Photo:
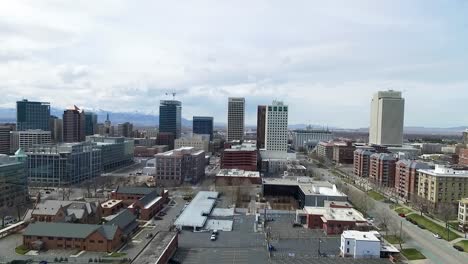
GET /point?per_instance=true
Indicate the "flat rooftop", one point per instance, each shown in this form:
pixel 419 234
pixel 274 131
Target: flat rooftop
pixel 156 248
pixel 238 173
pixel 307 185
pixel 110 203
pixel 442 171
pixel 361 236
pixel 335 214
pixel 196 213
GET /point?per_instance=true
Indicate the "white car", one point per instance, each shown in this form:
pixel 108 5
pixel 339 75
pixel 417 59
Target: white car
pixel 437 236
pixel 213 237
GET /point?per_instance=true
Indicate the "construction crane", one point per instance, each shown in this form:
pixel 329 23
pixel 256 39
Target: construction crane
pixel 173 95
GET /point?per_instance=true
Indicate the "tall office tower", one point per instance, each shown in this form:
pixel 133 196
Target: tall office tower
pixel 73 125
pixel 90 123
pixel 125 129
pixel 203 125
pixel 56 129
pixel 276 129
pixel 387 118
pixel 5 138
pixel 236 113
pixel 32 115
pixel 170 119
pixel 261 118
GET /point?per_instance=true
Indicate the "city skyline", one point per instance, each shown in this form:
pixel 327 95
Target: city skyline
pixel 325 62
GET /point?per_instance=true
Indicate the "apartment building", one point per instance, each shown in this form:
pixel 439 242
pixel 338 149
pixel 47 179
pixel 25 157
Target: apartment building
pixel 362 162
pixel 243 157
pixel 179 165
pixel 382 169
pixel 406 177
pixel 343 152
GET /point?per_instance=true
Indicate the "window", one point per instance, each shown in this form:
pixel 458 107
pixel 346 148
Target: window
pixel 100 241
pixel 50 238
pixel 347 243
pixel 91 241
pixel 347 250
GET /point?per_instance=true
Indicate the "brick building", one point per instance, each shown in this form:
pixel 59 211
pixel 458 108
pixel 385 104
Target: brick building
pixel 362 162
pixel 143 202
pixel 235 177
pixel 67 211
pixel 382 169
pixel 112 207
pixel 242 157
pixel 406 177
pixel 180 165
pixel 343 152
pixel 463 157
pixel 325 150
pixel 166 138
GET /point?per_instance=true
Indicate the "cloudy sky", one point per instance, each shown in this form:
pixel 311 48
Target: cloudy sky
pixel 323 58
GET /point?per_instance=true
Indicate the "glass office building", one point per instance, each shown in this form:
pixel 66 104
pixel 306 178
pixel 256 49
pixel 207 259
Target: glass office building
pixel 170 119
pixel 203 125
pixel 13 181
pixel 90 123
pixel 32 115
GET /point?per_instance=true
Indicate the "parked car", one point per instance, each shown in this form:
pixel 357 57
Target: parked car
pixel 457 247
pixel 437 236
pixel 401 215
pixel 214 232
pixel 149 235
pixel 213 237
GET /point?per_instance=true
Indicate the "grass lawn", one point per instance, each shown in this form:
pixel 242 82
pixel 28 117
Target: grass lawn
pixel 393 239
pixel 21 250
pixel 412 254
pixel 463 244
pixel 433 227
pixel 117 254
pixel 375 195
pixel 403 210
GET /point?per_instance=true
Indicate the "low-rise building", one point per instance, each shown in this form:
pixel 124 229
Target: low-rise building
pixel 195 215
pixel 198 142
pixel 180 165
pixel 67 211
pixel 358 244
pixel 343 152
pixel 242 157
pixel 382 169
pixel 235 177
pixel 144 202
pixel 463 157
pixel 463 214
pixel 111 207
pixel 442 185
pixel 125 220
pixel 406 178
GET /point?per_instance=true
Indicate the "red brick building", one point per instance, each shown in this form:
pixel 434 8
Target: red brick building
pixel 463 157
pixel 325 150
pixel 144 202
pixel 67 211
pixel 361 162
pixel 242 157
pixel 334 220
pixel 406 177
pixel 112 207
pixel 382 169
pixel 343 152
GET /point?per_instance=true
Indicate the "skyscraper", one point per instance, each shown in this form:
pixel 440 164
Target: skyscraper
pixel 203 125
pixel 56 129
pixel 387 118
pixel 90 123
pixel 236 113
pixel 125 129
pixel 276 128
pixel 170 119
pixel 73 125
pixel 261 118
pixel 5 138
pixel 32 115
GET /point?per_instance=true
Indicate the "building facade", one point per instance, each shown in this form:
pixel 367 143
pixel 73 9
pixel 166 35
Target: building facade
pixel 442 185
pixel 261 123
pixel 13 180
pixel 5 138
pixel 242 157
pixel 361 162
pixel 170 117
pixel 125 130
pixel 463 214
pixel 32 115
pixel 90 123
pixel 382 169
pixel 276 128
pixel 167 139
pixel 116 151
pixel 357 244
pixel 325 150
pixel 236 118
pixel 309 138
pixel 73 125
pixel 179 165
pixel 203 125
pixel 463 157
pixel 198 142
pixel 387 118
pixel 343 152
pixel 29 138
pixel 56 129
pixel 63 164
pixel 406 178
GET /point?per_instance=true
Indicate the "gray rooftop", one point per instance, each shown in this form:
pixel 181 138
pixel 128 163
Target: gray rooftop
pixel 69 230
pixel 134 190
pixel 195 214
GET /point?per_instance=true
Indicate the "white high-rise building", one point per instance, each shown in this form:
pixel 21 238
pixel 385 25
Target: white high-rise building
pixel 387 118
pixel 276 129
pixel 236 113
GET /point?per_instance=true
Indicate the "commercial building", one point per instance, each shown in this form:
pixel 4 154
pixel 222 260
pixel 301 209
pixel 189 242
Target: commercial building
pixel 111 207
pixel 90 123
pixel 236 123
pixel 143 151
pixel 442 185
pixel 343 152
pixel 366 245
pixel 406 178
pixel 236 177
pixel 195 215
pixel 67 211
pixel 198 142
pixel 32 115
pixel 116 151
pixel 382 169
pixel 387 118
pixel 463 214
pixel 203 125
pixel 48 236
pixel 63 164
pixel 13 180
pixel 5 138
pixel 309 138
pixel 170 117
pixel 73 125
pixel 243 157
pixel 167 139
pixel 303 189
pixel 29 138
pixel 463 157
pixel 261 122
pixel 276 128
pixel 180 165
pixel 125 130
pixel 333 220
pixel 325 149
pixel 56 129
pixel 144 202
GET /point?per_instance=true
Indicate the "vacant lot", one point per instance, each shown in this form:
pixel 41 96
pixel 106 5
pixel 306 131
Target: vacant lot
pixel 433 227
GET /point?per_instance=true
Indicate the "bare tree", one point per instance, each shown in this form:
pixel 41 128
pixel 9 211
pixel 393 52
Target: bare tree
pixel 420 204
pixel 446 212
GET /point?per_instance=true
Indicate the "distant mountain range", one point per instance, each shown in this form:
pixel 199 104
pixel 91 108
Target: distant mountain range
pixel 8 115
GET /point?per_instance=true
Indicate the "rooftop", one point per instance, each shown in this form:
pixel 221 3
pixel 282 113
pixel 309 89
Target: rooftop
pixel 335 214
pixel 238 173
pixel 134 190
pixel 307 185
pixel 69 230
pixel 242 147
pixel 359 235
pixel 110 203
pixel 442 171
pixel 195 214
pixel 180 151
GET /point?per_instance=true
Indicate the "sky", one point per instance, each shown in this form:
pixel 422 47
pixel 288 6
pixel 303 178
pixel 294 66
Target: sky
pixel 325 59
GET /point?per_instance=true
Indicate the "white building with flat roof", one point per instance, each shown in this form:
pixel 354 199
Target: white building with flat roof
pixel 357 244
pixel 28 138
pixel 387 118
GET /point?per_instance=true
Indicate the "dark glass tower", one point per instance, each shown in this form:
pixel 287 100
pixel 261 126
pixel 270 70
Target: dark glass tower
pixel 203 125
pixel 32 115
pixel 170 119
pixel 90 123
